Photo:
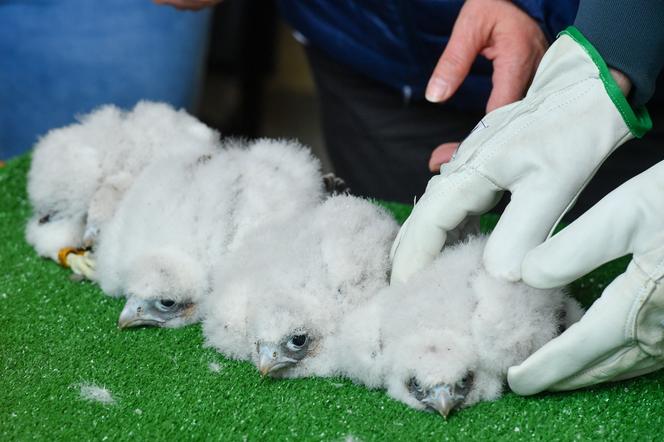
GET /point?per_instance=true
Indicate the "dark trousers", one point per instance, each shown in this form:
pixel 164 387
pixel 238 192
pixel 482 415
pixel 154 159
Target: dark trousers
pixel 380 144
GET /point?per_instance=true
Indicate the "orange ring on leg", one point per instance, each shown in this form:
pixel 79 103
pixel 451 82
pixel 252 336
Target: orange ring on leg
pixel 64 253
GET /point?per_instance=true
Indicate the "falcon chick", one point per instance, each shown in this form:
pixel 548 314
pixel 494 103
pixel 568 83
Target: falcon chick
pixel 280 299
pixel 446 338
pixel 182 215
pixel 80 172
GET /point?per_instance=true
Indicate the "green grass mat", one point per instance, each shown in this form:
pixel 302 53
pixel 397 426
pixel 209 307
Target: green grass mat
pixel 56 334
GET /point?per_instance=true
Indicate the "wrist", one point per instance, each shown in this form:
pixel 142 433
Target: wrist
pixel 622 81
pixel 636 118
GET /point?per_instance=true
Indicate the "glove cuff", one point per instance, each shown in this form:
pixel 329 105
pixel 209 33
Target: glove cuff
pixel 637 119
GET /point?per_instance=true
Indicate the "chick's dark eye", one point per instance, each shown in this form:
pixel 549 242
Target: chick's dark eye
pixel 44 219
pixel 299 340
pixel 167 302
pixel 467 380
pixel 413 384
pixel 415 389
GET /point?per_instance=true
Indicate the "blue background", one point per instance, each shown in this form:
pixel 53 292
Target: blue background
pixel 60 58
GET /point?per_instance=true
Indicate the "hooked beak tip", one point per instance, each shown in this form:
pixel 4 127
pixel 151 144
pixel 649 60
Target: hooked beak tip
pixel 442 402
pixel 138 312
pixel 443 408
pixel 444 413
pixel 126 320
pixel 266 366
pixel 269 360
pixel 138 322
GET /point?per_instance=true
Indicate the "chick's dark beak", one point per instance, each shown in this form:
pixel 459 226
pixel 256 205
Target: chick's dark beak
pixel 271 359
pixel 442 399
pixel 140 312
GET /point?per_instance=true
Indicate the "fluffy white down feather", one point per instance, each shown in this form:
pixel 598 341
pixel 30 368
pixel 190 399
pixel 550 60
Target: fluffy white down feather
pixel 302 275
pixel 80 172
pixel 182 215
pixel 95 393
pixel 324 274
pixel 450 319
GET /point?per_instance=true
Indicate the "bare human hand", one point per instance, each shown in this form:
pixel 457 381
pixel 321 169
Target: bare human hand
pixel 442 154
pixel 189 5
pixel 503 33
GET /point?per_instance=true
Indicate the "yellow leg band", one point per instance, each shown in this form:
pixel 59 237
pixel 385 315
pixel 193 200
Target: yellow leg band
pixel 64 252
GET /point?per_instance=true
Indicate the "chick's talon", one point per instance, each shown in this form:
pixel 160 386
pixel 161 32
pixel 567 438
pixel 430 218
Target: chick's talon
pixel 82 265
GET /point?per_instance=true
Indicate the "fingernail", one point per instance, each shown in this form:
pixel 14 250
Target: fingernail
pixel 436 90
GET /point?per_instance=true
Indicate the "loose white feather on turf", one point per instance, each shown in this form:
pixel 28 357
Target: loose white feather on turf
pixel 95 393
pixel 281 297
pixel 80 172
pixel 183 215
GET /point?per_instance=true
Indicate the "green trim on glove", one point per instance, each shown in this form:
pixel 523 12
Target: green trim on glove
pixel 637 120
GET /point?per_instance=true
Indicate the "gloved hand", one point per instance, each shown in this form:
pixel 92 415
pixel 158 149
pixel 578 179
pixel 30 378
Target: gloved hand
pixel 622 334
pixel 543 149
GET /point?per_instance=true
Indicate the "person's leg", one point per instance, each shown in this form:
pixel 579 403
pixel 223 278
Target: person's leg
pixel 378 143
pixel 381 146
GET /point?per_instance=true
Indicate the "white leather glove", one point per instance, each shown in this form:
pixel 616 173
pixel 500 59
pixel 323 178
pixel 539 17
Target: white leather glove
pixel 543 149
pixel 622 334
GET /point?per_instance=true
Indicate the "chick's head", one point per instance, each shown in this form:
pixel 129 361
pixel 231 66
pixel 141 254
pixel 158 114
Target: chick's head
pixel 164 289
pixel 434 371
pixel 288 335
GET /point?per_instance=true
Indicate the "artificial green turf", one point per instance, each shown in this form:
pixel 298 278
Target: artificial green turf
pixel 56 334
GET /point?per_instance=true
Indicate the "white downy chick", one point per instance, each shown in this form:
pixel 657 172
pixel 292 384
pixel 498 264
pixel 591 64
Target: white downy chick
pixel 150 132
pixel 80 172
pixel 64 174
pixel 280 299
pixel 446 338
pixel 182 215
